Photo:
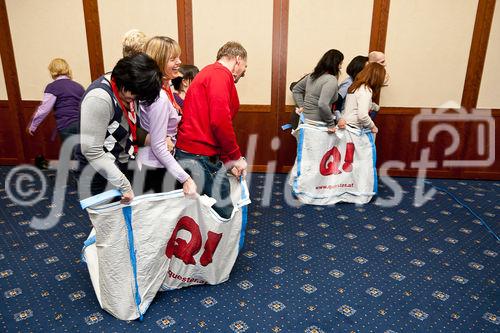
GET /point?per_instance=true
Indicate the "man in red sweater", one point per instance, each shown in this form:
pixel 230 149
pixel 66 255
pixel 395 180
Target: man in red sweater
pixel 206 142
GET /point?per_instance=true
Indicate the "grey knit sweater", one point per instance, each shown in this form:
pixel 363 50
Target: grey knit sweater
pixel 317 97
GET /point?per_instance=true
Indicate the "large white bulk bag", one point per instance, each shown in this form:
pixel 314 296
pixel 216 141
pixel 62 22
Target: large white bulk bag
pixel 162 241
pixel 333 167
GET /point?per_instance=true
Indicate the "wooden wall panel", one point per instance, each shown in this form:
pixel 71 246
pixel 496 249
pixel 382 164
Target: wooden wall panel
pixel 477 53
pixel 288 144
pixel 380 19
pixel 185 28
pixel 490 80
pixel 8 153
pixel 46 140
pixel 94 42
pixel 279 87
pixel 12 115
pixel 3 88
pixel 263 125
pixel 394 142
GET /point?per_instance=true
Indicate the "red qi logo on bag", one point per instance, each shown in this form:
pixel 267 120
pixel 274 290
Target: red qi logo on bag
pixel 329 166
pixel 186 251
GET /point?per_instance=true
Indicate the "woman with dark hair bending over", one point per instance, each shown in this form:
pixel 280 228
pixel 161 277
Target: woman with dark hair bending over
pixel 109 121
pixel 358 102
pixel 315 93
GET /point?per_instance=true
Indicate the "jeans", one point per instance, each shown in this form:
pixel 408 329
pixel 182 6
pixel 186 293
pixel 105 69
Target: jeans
pixel 71 129
pixel 64 133
pixel 210 176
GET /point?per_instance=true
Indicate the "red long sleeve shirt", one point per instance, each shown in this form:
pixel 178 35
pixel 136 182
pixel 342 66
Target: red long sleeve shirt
pixel 210 105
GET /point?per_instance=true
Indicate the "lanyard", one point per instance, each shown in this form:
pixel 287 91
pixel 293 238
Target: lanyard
pixel 130 115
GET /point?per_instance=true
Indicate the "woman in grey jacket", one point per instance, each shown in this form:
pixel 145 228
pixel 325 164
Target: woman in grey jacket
pixel 315 93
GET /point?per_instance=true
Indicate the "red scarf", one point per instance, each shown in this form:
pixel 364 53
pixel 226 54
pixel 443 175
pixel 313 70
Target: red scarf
pixel 171 98
pixel 130 115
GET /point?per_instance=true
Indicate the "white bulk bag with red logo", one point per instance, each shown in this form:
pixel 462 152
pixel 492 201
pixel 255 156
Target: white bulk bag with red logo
pixel 331 168
pixel 162 241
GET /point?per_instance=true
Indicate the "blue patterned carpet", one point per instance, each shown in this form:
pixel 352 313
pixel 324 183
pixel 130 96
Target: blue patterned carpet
pixel 308 269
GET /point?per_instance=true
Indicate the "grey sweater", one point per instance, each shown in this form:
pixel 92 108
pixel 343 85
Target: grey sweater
pixel 96 113
pixel 317 97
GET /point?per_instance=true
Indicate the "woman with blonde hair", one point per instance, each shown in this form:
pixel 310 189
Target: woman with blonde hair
pixel 133 42
pixel 160 119
pixel 166 52
pixel 63 95
pixel 365 87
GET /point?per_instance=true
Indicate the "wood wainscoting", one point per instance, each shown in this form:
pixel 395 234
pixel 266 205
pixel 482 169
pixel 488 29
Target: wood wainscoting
pixel 394 143
pixel 8 152
pixel 257 125
pixel 45 141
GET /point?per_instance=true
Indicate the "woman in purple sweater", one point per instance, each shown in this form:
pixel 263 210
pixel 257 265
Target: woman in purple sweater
pixel 63 95
pixel 160 119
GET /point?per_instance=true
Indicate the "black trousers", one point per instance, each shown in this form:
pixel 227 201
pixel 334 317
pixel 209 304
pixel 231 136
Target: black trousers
pixel 99 183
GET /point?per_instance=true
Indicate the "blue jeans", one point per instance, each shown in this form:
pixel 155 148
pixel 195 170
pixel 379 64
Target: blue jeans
pixel 71 129
pixel 209 175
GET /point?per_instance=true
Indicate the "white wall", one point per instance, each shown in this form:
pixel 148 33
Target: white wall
pixel 329 24
pixel 489 93
pixel 249 22
pixel 427 51
pixel 41 31
pixel 427 45
pixel 153 17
